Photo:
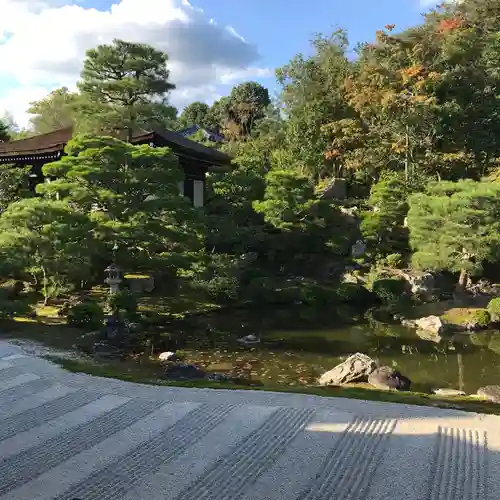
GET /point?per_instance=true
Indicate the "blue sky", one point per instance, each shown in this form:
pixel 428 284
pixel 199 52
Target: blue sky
pixel 283 28
pixel 275 30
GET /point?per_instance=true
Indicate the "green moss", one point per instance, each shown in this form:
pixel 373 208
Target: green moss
pixel 481 317
pixel 459 315
pixel 136 276
pixel 494 307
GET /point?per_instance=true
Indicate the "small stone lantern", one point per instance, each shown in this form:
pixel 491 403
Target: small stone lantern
pixel 113 278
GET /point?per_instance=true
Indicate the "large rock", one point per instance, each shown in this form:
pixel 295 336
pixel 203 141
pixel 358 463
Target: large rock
pixel 429 335
pixel 387 378
pixel 431 324
pixel 355 368
pixel 490 392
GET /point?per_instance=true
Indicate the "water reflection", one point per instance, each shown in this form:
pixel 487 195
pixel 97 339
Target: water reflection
pixel 291 352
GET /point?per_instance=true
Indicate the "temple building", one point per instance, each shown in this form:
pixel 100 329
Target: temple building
pixel 194 158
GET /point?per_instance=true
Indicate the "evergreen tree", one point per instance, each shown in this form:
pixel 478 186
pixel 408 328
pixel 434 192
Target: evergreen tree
pixel 132 196
pixel 455 227
pixel 124 86
pixel 47 240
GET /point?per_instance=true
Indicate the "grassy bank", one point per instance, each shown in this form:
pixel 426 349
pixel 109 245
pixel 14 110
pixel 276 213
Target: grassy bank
pixel 148 374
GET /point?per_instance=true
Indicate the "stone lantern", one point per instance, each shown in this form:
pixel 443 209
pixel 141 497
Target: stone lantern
pixel 113 278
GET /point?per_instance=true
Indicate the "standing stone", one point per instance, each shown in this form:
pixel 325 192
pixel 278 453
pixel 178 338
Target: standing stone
pixel 358 249
pixel 356 367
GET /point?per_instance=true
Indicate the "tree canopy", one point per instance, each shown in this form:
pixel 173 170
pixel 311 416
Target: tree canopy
pixel 124 86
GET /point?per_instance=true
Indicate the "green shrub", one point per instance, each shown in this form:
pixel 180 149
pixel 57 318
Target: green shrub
pixel 88 314
pixel 11 289
pixel 394 260
pixel 318 295
pixel 389 290
pixel 481 318
pixel 11 308
pixel 494 308
pixel 219 288
pixel 123 300
pixel 218 276
pixel 356 294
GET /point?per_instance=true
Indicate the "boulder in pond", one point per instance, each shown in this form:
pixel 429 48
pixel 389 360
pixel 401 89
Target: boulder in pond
pixel 354 368
pixel 446 393
pixel 182 371
pixel 387 378
pixel 429 335
pixel 249 340
pixel 490 392
pixel 431 324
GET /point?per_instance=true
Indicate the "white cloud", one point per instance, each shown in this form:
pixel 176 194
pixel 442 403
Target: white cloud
pixel 43 43
pixel 435 3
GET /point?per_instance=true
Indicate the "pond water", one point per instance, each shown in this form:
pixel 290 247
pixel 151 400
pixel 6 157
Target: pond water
pixel 295 355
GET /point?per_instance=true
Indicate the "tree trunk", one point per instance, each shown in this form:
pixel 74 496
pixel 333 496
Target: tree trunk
pixel 461 373
pixel 45 287
pixel 407 153
pixel 463 279
pixel 461 287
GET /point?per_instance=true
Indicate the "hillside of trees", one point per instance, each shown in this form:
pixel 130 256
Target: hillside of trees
pixel 410 125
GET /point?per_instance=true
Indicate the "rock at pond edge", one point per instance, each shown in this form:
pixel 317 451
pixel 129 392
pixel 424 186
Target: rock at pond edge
pixel 490 392
pixel 355 368
pixel 386 378
pixel 444 392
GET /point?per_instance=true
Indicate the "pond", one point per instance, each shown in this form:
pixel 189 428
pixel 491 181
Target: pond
pixel 295 355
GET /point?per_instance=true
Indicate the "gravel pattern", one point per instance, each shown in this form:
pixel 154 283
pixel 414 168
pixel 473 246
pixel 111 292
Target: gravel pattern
pixel 66 435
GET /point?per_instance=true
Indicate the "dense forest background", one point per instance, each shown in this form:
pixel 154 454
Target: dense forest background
pixel 378 159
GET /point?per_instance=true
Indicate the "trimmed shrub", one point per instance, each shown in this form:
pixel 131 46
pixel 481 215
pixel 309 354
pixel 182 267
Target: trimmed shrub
pixel 394 260
pixel 390 291
pixel 355 294
pixel 11 308
pixel 123 300
pixel 219 288
pixel 88 314
pixel 481 318
pixel 318 295
pixel 11 289
pixel 494 308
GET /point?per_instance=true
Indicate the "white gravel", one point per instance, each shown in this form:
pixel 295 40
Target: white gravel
pixel 66 435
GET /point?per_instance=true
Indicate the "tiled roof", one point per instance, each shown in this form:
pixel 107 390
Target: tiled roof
pixel 45 143
pixel 53 142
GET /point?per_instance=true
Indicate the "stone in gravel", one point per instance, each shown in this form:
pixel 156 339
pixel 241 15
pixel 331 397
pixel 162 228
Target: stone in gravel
pixel 354 368
pixel 387 378
pixel 448 392
pixel 490 392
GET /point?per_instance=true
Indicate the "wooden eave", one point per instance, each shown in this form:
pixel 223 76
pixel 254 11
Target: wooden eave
pixel 51 147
